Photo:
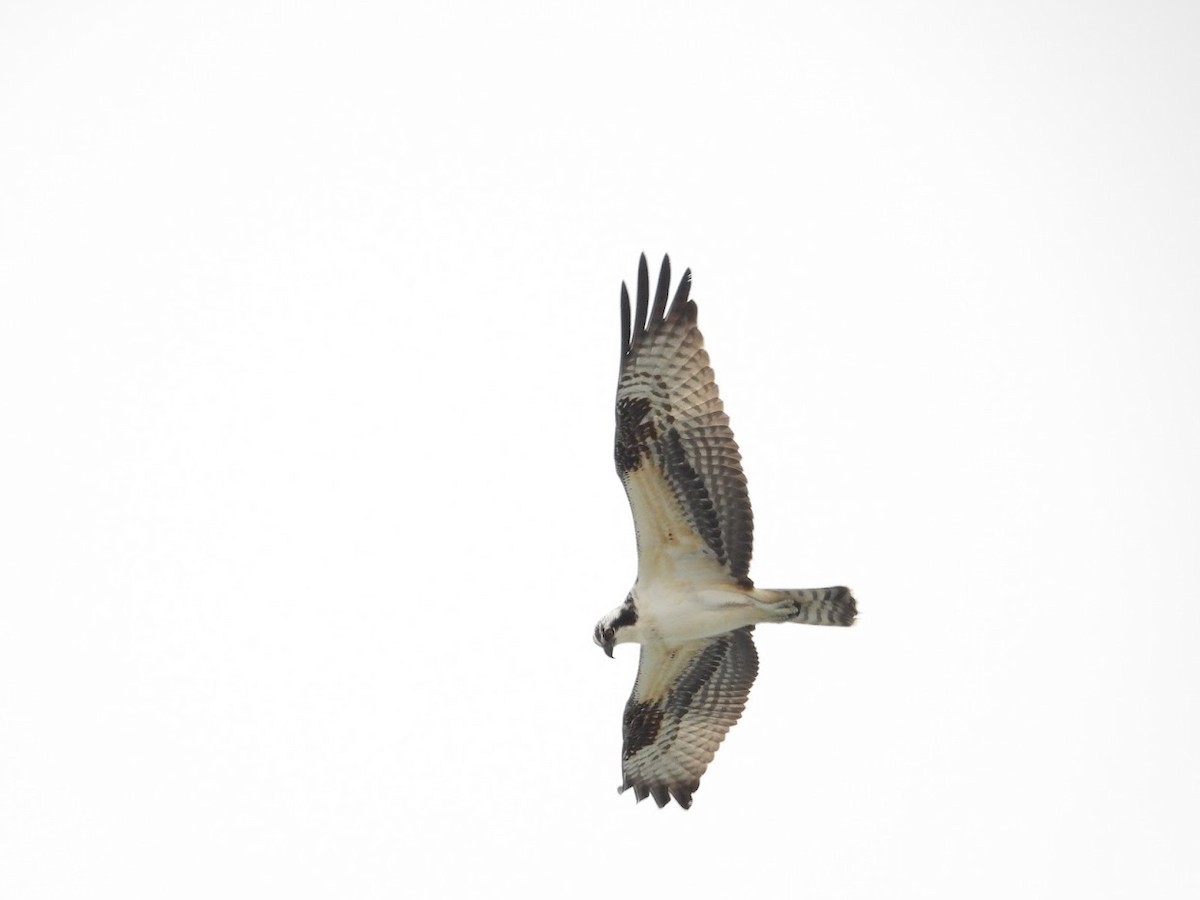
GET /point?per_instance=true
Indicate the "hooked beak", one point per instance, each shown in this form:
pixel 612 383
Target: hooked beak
pixel 608 645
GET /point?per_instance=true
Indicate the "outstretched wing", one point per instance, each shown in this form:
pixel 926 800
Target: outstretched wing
pixel 684 701
pixel 674 451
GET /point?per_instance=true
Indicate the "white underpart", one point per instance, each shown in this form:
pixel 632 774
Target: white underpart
pixel 682 592
pixel 678 612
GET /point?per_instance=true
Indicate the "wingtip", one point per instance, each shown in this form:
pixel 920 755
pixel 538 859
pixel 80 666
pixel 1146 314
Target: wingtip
pixel 661 795
pixel 681 304
pixel 643 302
pixel 626 315
pixel 660 292
pixel 683 798
pixel 642 313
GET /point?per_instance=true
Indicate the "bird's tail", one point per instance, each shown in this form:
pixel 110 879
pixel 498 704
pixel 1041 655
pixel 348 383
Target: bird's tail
pixel 810 606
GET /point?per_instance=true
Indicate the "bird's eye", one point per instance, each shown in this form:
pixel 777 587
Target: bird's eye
pixel 608 634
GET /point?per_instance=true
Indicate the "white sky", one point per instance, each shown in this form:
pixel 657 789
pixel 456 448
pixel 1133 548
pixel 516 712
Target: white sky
pixel 307 356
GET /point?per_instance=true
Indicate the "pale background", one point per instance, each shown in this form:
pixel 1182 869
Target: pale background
pixel 307 355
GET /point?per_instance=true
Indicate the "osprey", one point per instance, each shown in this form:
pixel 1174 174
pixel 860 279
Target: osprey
pixel 693 606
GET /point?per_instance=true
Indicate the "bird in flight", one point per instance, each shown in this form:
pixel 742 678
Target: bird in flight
pixel 693 606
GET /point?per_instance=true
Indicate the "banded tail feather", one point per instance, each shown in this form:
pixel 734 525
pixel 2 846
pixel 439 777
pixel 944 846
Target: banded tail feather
pixel 811 606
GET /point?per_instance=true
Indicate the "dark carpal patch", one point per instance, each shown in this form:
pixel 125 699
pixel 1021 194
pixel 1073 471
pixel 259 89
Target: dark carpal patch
pixel 635 431
pixel 642 722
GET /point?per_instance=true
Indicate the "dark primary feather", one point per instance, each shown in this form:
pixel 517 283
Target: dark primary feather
pixel 643 296
pixel 670 415
pixel 684 702
pixel 660 294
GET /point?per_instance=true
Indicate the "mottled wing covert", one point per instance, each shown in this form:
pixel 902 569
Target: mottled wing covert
pixel 675 451
pixel 685 700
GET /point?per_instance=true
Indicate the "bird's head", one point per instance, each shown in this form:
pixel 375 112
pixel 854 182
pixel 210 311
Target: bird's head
pixel 615 628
